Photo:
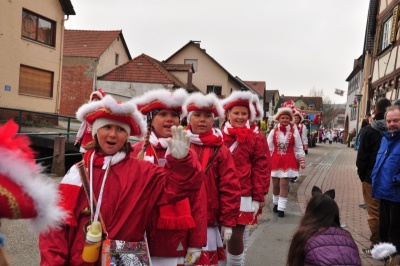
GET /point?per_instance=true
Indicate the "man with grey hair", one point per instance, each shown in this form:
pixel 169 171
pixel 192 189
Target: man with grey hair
pixel 370 141
pixel 386 179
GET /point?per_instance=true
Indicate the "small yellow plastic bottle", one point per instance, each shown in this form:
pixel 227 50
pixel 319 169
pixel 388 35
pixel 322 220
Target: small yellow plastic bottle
pixel 91 249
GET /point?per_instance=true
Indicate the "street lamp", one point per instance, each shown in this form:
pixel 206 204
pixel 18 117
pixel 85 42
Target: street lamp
pixel 358 99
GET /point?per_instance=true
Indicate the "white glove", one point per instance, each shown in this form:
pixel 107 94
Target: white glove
pixel 192 255
pixel 179 143
pixel 255 205
pixel 226 233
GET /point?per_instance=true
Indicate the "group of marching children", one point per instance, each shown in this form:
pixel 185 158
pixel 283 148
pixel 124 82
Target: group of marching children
pixel 180 196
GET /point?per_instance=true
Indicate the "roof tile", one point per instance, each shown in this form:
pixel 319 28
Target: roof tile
pixel 88 43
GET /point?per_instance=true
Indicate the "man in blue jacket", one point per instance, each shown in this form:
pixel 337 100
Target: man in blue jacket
pixel 370 141
pixel 386 179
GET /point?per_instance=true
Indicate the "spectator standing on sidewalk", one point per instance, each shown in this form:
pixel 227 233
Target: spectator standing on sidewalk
pixel 370 141
pixel 386 179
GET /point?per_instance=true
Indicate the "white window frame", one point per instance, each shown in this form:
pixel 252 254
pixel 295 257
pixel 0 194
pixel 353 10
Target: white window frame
pixel 387 28
pixel 192 62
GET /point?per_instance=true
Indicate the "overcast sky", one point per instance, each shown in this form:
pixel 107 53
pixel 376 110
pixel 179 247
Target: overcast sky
pixel 294 46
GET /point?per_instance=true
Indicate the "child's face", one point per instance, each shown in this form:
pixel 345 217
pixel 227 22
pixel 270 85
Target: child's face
pixel 297 119
pixel 238 116
pixel 201 122
pixel 111 139
pixel 284 120
pixel 163 121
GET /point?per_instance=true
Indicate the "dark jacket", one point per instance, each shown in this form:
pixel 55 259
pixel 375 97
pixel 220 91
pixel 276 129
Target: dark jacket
pixel 386 173
pixel 332 246
pixel 370 141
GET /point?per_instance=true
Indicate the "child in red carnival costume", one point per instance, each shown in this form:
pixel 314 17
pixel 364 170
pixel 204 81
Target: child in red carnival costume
pixel 84 134
pixel 25 191
pixel 287 155
pixel 263 139
pixel 298 118
pixel 176 232
pixel 222 184
pixel 119 192
pixel 251 166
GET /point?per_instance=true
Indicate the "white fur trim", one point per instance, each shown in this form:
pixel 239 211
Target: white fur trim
pixel 171 99
pixel 203 101
pixel 283 110
pixel 241 95
pixel 38 186
pixel 383 250
pixel 256 102
pixel 299 114
pixel 109 102
pixel 101 122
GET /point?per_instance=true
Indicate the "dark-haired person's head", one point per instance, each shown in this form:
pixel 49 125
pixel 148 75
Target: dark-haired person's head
pixel 322 211
pixel 381 105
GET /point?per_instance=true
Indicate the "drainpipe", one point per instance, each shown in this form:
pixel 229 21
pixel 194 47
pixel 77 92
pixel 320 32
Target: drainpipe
pixel 58 99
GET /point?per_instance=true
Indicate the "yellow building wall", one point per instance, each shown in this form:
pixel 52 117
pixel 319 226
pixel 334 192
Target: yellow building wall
pixel 15 50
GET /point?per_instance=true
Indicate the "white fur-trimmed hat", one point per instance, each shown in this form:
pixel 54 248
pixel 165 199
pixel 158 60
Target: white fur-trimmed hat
pixel 161 99
pixel 284 111
pixel 298 113
pixel 108 108
pixel 26 192
pixel 257 106
pixel 240 98
pixel 200 102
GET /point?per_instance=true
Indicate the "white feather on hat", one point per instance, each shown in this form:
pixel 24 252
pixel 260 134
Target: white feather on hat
pixel 240 98
pixel 17 165
pixel 109 108
pixel 198 101
pixel 99 94
pixel 160 99
pixel 382 250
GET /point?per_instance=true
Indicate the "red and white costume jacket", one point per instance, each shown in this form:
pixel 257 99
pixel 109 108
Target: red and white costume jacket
pixel 286 148
pixel 251 166
pixel 222 184
pixel 223 190
pixel 132 190
pixel 303 134
pixel 264 143
pixel 84 135
pixel 175 227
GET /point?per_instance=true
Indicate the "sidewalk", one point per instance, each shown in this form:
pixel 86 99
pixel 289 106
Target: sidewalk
pixel 337 170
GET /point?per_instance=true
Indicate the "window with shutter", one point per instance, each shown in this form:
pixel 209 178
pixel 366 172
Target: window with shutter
pixel 36 82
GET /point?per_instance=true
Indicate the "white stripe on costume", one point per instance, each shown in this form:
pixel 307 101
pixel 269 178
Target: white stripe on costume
pixel 214 240
pixel 166 261
pixel 245 204
pixel 72 177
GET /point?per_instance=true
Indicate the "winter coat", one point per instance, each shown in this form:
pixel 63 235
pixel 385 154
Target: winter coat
pixel 264 142
pixel 386 173
pixel 370 141
pixel 332 246
pixel 251 167
pixel 174 243
pixel 132 190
